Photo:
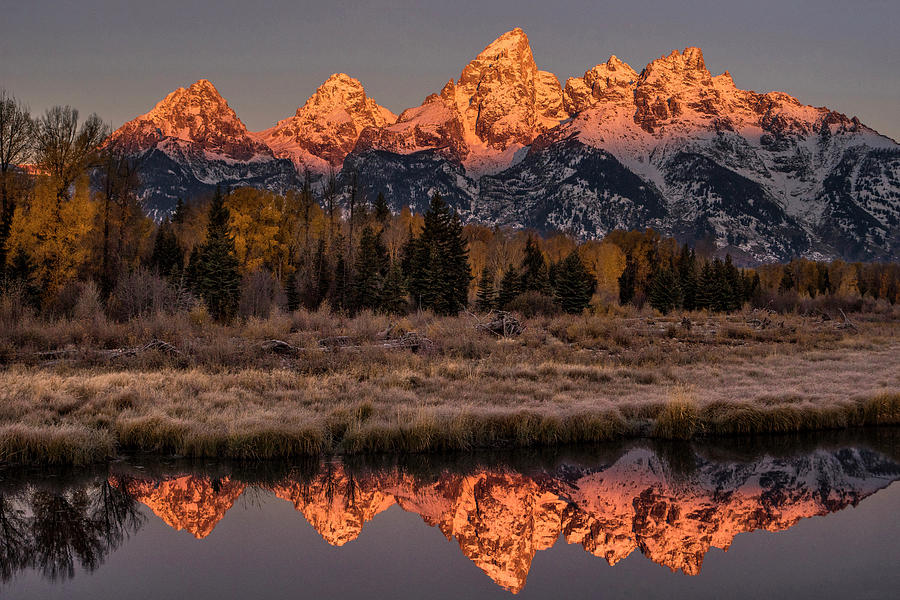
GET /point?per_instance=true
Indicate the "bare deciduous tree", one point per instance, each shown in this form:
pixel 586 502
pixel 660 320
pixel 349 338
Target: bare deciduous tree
pixel 63 149
pixel 15 144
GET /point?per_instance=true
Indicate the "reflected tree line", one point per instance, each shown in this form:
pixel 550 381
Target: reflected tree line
pixel 58 530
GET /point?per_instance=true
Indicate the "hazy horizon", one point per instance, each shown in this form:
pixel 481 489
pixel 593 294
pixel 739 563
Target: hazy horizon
pixel 119 61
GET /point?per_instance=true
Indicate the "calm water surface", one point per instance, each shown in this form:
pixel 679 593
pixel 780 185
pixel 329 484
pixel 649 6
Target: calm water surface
pixel 800 517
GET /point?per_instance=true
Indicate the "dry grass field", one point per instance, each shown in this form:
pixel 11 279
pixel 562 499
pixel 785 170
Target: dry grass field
pixel 78 391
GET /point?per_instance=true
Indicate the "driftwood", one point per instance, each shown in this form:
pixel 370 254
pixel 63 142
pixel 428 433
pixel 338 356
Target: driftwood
pixel 503 324
pixel 279 347
pixel 409 340
pixel 152 345
pixel 761 319
pixel 338 341
pixel 847 324
pixel 113 353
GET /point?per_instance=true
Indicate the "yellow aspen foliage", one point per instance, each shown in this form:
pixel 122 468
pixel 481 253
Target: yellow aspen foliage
pixel 605 261
pixel 256 223
pixel 55 233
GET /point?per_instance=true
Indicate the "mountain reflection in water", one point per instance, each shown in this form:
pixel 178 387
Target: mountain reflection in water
pixel 669 503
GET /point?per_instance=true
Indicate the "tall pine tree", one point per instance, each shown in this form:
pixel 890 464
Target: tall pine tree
pixel 627 280
pixel 216 278
pixel 167 257
pixel 486 297
pixel 437 262
pixel 510 287
pixel 574 284
pixel 370 270
pixel 534 273
pixel 382 212
pixel 665 292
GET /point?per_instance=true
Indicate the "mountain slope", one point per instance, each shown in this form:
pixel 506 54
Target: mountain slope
pixel 192 141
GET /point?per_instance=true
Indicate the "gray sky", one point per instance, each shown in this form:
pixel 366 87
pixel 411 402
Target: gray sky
pixel 118 58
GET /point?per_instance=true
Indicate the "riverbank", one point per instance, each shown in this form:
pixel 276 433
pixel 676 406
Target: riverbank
pixel 224 392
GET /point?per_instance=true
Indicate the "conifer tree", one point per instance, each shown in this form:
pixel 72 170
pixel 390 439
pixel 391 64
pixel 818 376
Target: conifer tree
pixel 167 257
pixel 510 287
pixel 21 272
pixel 665 292
pixel 292 290
pixel 322 273
pixel 706 288
pixel 437 262
pixel 722 294
pixel 534 273
pixel 486 297
pixel 687 277
pixel 369 271
pixel 393 295
pixel 192 270
pixel 787 280
pixel 178 215
pixel 217 278
pixel 735 285
pixel 574 284
pixel 382 212
pixel 627 280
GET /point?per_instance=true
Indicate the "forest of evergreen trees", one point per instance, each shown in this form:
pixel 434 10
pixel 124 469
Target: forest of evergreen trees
pixel 71 224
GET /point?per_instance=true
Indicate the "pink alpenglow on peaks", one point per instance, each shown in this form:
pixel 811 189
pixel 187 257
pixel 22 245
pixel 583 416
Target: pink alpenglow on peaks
pixel 326 128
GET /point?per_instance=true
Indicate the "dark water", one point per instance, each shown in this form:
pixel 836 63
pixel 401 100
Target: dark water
pixel 798 517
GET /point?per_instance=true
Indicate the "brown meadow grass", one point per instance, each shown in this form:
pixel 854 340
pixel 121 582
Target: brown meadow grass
pixel 566 379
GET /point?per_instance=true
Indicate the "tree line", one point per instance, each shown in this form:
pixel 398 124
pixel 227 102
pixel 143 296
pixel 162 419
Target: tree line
pixel 71 217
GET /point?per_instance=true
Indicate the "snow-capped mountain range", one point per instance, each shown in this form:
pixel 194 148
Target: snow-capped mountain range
pixel 671 147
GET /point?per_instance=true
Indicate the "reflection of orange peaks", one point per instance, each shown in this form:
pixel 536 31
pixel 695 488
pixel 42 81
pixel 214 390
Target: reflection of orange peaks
pixel 195 504
pixel 335 504
pixel 500 521
pixel 502 518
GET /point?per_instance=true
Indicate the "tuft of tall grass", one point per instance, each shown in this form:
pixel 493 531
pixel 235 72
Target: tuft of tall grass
pixel 679 418
pixel 54 445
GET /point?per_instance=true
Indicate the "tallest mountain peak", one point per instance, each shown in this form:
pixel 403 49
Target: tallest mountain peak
pixel 512 44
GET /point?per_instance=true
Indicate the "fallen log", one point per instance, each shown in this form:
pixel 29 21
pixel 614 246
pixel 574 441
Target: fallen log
pixel 338 341
pixel 409 341
pixel 279 347
pixel 503 324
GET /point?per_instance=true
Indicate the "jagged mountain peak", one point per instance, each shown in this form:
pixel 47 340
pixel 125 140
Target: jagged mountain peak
pixel 326 128
pixel 498 105
pixel 343 92
pixel 197 115
pixel 612 80
pixel 512 45
pixel 677 67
